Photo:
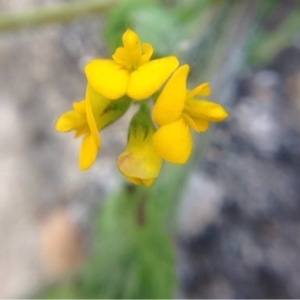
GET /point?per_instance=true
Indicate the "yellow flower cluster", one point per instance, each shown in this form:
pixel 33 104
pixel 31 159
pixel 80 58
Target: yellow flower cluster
pixel 165 134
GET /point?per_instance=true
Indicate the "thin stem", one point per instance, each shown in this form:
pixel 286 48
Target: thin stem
pixel 55 14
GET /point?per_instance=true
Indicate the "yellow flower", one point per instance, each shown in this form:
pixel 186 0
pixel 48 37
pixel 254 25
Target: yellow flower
pixel 130 71
pixel 86 119
pixel 177 111
pixel 140 163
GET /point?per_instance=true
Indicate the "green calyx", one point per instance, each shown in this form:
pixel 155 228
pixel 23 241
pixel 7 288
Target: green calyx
pixel 142 119
pixel 114 111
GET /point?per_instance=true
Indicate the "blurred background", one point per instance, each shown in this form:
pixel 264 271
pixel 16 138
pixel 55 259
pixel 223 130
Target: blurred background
pixel 226 225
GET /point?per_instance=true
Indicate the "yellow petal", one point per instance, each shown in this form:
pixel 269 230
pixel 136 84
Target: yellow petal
pixel 199 125
pixel 132 49
pixel 81 131
pixel 147 53
pixel 206 110
pixel 134 180
pixel 95 104
pixel 170 103
pixel 201 90
pixel 71 120
pixel 139 181
pixel 121 57
pixel 173 142
pixel 149 77
pixel 131 39
pixel 140 162
pixel 132 58
pixel 88 152
pixel 79 106
pixel 107 78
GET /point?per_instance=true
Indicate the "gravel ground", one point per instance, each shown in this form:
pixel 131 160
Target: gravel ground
pixel 239 233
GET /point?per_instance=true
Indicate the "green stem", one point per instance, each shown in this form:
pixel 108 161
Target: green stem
pixel 55 14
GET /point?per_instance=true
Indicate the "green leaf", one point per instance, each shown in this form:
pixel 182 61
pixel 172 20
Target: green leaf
pixel 133 256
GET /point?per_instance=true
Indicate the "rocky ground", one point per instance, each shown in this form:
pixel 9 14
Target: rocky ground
pixel 240 235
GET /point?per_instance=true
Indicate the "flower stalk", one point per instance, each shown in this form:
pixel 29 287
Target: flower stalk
pixel 60 13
